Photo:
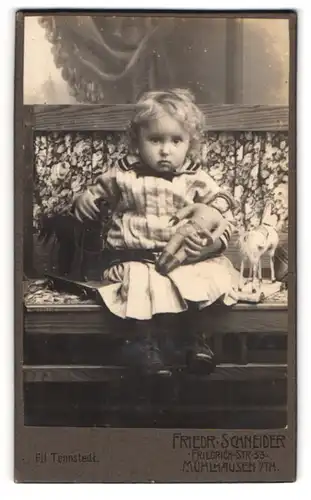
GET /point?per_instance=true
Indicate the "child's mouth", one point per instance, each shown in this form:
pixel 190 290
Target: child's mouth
pixel 165 163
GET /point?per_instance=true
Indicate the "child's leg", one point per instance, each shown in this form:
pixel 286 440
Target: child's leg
pixel 142 350
pixel 183 340
pixel 199 356
pixel 171 333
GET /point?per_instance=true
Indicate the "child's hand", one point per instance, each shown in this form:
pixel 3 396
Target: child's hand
pixel 208 221
pixel 85 206
pixel 194 244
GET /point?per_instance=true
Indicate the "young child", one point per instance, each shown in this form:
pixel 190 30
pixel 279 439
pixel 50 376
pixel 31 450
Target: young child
pixel 146 190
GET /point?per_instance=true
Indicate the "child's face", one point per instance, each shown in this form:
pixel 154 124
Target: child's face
pixel 163 144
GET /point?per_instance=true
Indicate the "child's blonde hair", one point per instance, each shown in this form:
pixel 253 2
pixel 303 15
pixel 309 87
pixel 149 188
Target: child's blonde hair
pixel 180 104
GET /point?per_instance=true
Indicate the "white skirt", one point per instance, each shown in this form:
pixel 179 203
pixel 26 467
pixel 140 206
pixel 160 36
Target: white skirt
pixel 137 290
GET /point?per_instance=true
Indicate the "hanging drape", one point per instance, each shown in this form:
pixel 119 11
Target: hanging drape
pixel 114 59
pixel 97 55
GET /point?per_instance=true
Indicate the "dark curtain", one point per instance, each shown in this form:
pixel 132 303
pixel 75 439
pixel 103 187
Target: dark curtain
pixel 114 59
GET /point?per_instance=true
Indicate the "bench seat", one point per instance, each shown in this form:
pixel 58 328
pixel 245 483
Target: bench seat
pixel 70 377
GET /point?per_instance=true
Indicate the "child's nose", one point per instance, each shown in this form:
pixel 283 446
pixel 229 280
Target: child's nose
pixel 165 149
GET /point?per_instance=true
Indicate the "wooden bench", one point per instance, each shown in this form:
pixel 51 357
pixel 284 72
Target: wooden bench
pixel 72 376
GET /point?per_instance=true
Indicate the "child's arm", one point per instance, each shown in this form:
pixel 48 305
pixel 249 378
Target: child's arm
pixel 203 226
pixel 105 188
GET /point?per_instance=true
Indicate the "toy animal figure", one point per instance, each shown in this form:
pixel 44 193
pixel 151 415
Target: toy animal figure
pixel 205 222
pixel 254 244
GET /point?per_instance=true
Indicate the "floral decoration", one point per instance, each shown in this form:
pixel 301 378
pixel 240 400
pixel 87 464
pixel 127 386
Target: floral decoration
pixel 252 166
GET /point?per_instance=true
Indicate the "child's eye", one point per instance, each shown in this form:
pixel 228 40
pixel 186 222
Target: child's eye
pixel 177 140
pixel 154 139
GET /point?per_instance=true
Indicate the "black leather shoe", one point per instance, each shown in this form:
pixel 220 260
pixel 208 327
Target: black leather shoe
pixel 191 353
pixel 200 358
pixel 144 354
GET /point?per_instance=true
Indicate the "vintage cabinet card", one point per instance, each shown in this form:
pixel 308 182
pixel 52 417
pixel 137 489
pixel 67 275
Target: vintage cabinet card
pixel 155 336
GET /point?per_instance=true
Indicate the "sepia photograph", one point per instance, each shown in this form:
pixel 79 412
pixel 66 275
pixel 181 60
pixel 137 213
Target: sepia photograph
pixel 156 171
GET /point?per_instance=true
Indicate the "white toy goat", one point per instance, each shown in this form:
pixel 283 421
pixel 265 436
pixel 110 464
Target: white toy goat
pixel 254 244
